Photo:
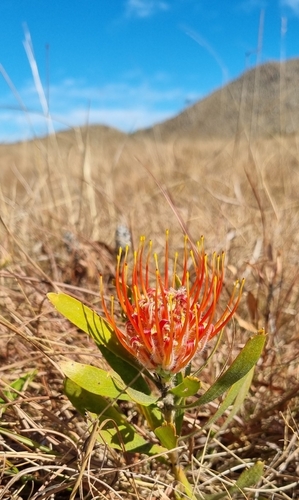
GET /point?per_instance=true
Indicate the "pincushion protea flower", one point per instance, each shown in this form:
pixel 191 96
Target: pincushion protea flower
pixel 169 319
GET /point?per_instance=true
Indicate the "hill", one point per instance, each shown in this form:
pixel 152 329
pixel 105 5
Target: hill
pixel 264 101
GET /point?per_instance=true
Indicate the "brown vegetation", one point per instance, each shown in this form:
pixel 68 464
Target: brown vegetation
pixel 61 200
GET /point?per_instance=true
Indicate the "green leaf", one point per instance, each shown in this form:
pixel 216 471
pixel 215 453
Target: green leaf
pixel 88 321
pixel 18 438
pixel 120 360
pixel 237 393
pixel 140 398
pixel 18 385
pixel 94 380
pixel 118 433
pixel 153 415
pixel 242 394
pixel 103 383
pixel 131 375
pixel 249 477
pixel 188 387
pixel 167 436
pixel 184 489
pixel 243 363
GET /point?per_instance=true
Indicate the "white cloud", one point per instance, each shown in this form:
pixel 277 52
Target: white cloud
pixel 292 4
pixel 128 119
pixel 115 92
pixel 15 127
pixel 126 105
pixel 144 8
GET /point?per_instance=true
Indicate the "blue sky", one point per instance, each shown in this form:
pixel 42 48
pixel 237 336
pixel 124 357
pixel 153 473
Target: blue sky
pixel 128 63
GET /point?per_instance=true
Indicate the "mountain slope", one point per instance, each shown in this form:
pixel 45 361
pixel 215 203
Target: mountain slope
pixel 264 101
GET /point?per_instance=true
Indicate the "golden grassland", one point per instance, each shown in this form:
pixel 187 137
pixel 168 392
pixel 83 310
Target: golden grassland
pixel 61 200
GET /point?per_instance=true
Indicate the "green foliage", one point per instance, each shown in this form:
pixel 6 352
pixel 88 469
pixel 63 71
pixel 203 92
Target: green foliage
pixel 31 443
pixel 240 389
pixel 243 363
pixel 116 432
pixel 104 383
pixel 102 393
pixel 236 394
pixel 153 415
pixel 167 435
pixel 11 393
pixel 92 324
pixel 188 387
pixel 248 478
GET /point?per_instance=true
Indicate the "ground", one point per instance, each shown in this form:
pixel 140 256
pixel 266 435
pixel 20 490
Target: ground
pixel 61 201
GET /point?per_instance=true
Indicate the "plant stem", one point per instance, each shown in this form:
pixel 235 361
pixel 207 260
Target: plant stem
pixel 177 470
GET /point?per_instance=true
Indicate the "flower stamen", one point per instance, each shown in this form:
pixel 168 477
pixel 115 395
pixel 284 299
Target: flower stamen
pixel 166 325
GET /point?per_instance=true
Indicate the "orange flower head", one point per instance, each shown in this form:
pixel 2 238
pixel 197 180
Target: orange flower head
pixel 169 319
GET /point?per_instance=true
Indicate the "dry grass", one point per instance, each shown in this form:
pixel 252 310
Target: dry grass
pixel 61 200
